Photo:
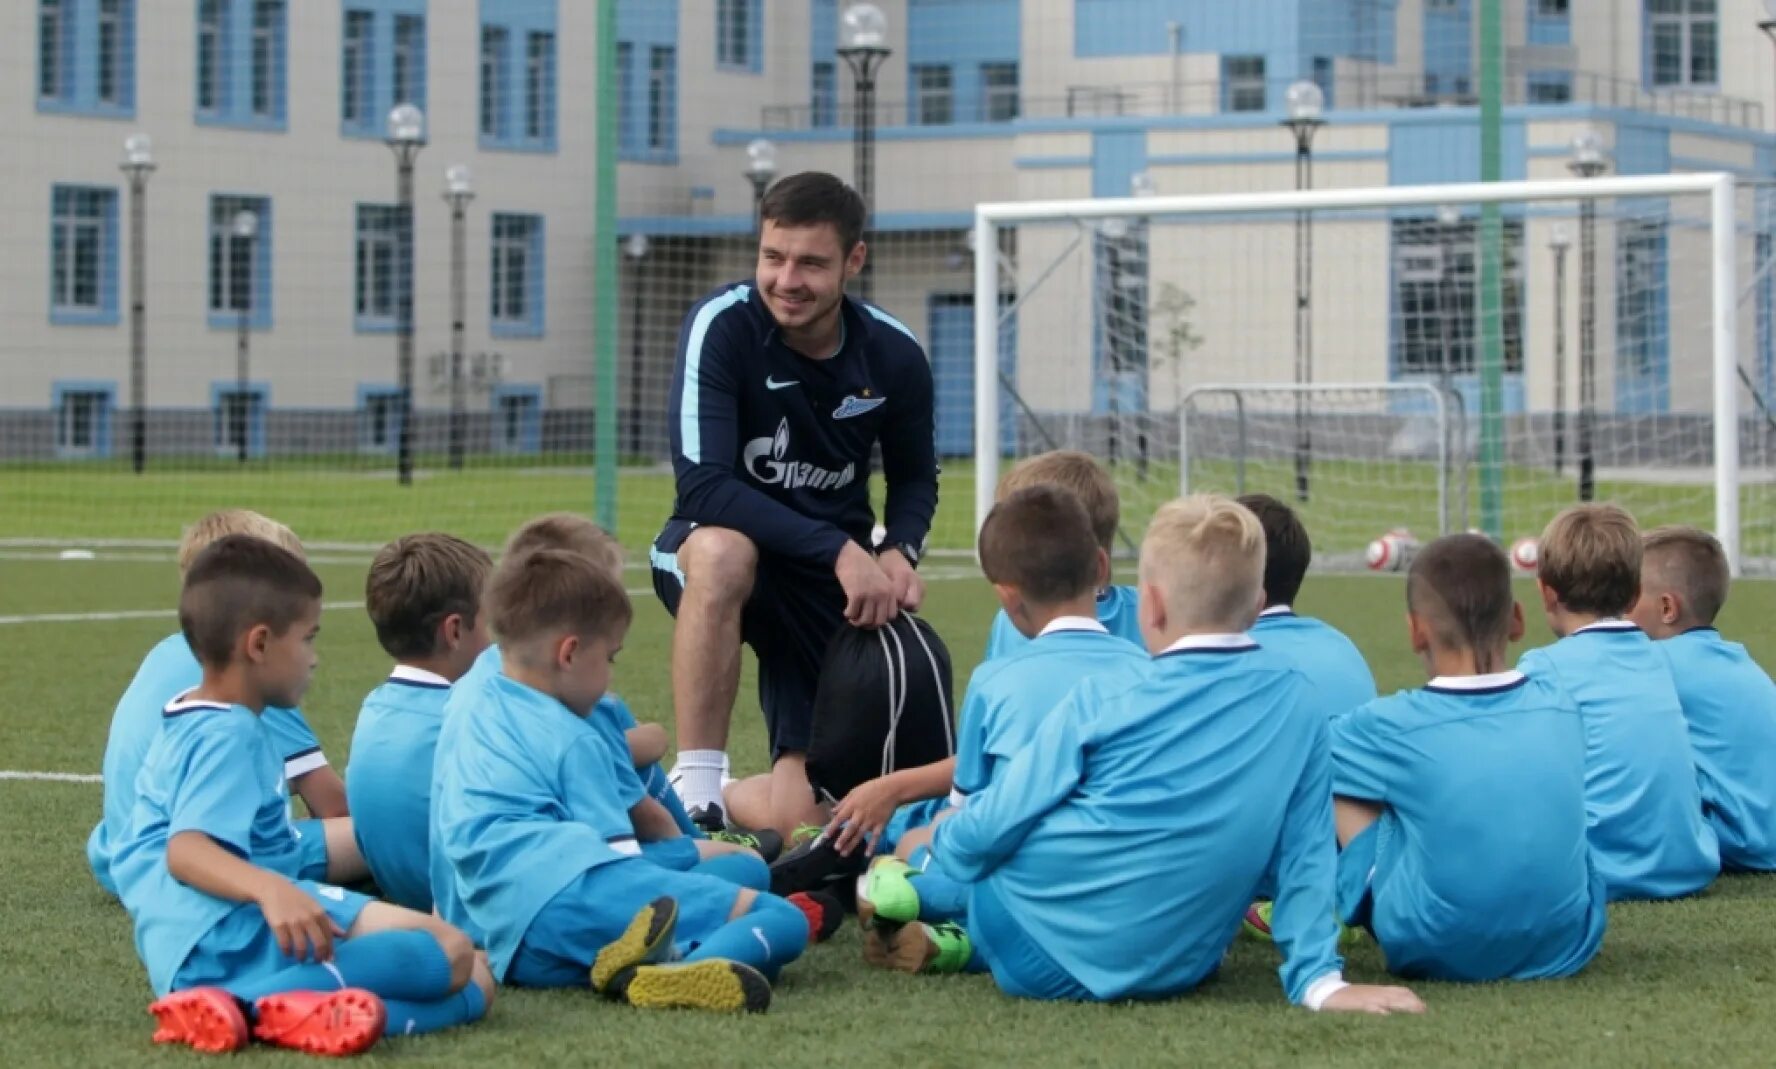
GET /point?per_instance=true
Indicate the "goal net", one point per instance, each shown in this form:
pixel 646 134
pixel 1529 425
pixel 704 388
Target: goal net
pixel 1434 358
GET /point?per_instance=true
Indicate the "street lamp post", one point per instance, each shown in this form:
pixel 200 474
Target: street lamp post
pixel 863 45
pixel 245 227
pixel 138 164
pixel 761 171
pixel 635 249
pixel 1559 241
pixel 1306 105
pixel 1768 22
pixel 1588 161
pixel 459 190
pixel 406 136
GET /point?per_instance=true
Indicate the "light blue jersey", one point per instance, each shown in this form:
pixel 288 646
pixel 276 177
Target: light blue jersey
pixel 212 768
pixel 1116 611
pixel 1642 800
pixel 169 670
pixel 522 806
pixel 1481 869
pixel 1129 836
pixel 389 782
pixel 1337 675
pixel 1730 706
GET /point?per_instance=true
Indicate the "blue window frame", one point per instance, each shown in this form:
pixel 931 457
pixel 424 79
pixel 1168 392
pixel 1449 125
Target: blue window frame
pixel 1548 86
pixel 83 255
pixel 739 33
pixel 382 62
pixel 379 417
pixel 233 410
pixel 1643 336
pixel 82 411
pixel 647 81
pixel 407 68
pixel 628 141
pixel 517 418
pixel 1682 44
pixel 516 101
pixel 376 306
pixel 823 95
pixel 357 72
pixel 516 279
pixel 86 57
pixel 1324 78
pixel 240 267
pixel 999 92
pixel 242 75
pixel 934 94
pixel 1119 334
pixel 1242 83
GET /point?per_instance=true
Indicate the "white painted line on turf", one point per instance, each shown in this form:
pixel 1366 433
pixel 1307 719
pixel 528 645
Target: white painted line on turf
pixel 156 614
pixel 51 777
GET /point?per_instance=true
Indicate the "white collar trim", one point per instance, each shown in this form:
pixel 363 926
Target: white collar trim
pixel 406 673
pixel 1228 641
pixel 1073 623
pixel 1480 682
pixel 1277 610
pixel 185 703
pixel 1611 623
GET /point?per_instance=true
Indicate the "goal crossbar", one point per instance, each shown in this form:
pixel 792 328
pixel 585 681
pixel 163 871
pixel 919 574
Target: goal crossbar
pixel 1718 186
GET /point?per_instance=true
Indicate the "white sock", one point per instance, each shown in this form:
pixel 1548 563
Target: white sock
pixel 698 777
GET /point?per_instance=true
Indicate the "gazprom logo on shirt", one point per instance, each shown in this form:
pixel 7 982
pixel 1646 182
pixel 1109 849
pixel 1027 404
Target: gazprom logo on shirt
pixel 763 460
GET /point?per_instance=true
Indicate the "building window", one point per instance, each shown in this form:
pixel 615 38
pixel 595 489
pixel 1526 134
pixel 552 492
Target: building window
pixel 1323 77
pixel 111 52
pixel 240 267
pixel 662 121
pixel 1119 342
pixel 823 96
pixel 1436 292
pixel 82 418
pixel 379 418
pixel 357 98
pixel 1548 87
pixel 53 40
pixel 539 87
pixel 1242 83
pixel 736 34
pixel 238 414
pixel 627 136
pixel 934 102
pixel 493 80
pixel 999 91
pixel 268 58
pixel 86 56
pixel 212 57
pixel 517 275
pixel 378 266
pixel 1642 333
pixel 1551 9
pixel 83 255
pixel 517 419
pixel 1683 43
pixel 409 66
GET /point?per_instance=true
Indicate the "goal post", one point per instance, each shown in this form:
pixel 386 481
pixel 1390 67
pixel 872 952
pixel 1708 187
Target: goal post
pixel 1662 302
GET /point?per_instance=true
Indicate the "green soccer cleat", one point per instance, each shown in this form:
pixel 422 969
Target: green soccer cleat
pixel 646 941
pixel 1257 925
pixel 764 842
pixel 886 893
pixel 918 948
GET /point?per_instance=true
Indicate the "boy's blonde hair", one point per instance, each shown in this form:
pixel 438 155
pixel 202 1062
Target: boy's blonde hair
pixel 1205 553
pixel 1079 472
pixel 1589 556
pixel 1689 562
pixel 224 522
pixel 417 581
pixel 550 592
pixel 566 531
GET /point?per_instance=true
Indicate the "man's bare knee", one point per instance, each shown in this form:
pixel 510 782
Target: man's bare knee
pixel 719 562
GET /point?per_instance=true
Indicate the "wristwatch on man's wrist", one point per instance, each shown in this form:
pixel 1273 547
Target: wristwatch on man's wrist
pixel 909 551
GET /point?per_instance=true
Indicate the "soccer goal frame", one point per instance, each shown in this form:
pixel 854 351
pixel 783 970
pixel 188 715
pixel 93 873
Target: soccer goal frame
pixel 1720 189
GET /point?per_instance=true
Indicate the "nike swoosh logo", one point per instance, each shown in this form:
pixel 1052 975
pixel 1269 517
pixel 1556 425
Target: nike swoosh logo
pixel 759 933
pixel 773 384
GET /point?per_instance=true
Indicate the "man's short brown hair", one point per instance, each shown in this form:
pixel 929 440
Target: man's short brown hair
pixel 1040 541
pixel 813 198
pixel 224 522
pixel 1460 585
pixel 1689 562
pixel 1287 550
pixel 236 584
pixel 1205 553
pixel 1078 472
pixel 571 532
pixel 555 592
pixel 417 581
pixel 1589 556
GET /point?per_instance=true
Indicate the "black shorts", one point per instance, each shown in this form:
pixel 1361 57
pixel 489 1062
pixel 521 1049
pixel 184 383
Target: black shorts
pixel 791 617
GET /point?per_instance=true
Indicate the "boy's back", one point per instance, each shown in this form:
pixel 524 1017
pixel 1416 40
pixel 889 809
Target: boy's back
pixel 1482 869
pixel 388 783
pixel 1338 677
pixel 1642 801
pixel 1117 611
pixel 1729 704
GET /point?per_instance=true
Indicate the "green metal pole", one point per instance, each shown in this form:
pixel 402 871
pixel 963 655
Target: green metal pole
pixel 1492 342
pixel 604 293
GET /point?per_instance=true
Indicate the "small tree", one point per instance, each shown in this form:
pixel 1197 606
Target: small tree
pixel 1174 314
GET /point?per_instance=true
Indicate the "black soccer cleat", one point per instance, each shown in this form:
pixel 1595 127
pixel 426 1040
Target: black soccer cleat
pixel 709 817
pixel 816 866
pixel 764 842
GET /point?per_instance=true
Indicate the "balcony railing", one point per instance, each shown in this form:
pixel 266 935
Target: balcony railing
pixel 1348 92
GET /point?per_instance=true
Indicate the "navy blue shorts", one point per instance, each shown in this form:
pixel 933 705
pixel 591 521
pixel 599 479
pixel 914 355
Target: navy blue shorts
pixel 790 619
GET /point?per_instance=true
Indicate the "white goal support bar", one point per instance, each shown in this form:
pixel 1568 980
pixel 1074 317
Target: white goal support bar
pixel 1720 188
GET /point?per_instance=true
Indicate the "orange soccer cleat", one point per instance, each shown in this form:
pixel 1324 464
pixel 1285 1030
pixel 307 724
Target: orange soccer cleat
pixel 206 1019
pixel 333 1023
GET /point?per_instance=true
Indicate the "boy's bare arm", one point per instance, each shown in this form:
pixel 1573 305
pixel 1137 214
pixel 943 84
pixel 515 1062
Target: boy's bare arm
pixel 653 821
pixel 297 920
pixel 322 792
pixel 863 814
pixel 647 744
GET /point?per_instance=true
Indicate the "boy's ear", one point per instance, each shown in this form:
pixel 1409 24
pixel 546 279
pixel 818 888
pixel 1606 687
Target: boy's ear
pixel 1418 634
pixel 1514 632
pixel 1152 609
pixel 450 631
pixel 1550 600
pixel 1671 608
pixel 1103 569
pixel 1009 599
pixel 566 650
pixel 255 640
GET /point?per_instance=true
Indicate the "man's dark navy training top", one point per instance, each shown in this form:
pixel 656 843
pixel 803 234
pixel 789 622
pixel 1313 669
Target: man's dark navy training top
pixel 775 445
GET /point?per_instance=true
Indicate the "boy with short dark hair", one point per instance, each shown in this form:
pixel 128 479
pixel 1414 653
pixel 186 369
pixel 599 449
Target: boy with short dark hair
pixel 170 668
pixel 1080 473
pixel 1114 856
pixel 1461 806
pixel 1338 676
pixel 210 870
pixel 1039 551
pixel 423 595
pixel 542 851
pixel 1641 797
pixel 1729 702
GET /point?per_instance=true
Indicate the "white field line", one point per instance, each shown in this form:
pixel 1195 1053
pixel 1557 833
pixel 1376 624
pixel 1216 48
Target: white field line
pixel 51 777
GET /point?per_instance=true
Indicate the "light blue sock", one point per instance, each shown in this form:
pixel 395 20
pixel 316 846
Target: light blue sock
pixel 940 898
pixel 418 1018
pixel 744 870
pixel 404 965
pixel 771 935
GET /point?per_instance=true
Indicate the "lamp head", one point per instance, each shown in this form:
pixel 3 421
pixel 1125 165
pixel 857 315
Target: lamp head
pixel 1306 102
pixel 1588 154
pixel 1141 185
pixel 459 181
pixel 863 27
pixel 1448 214
pixel 246 224
pixel 138 152
pixel 636 246
pixel 761 159
pixel 406 125
pixel 1560 238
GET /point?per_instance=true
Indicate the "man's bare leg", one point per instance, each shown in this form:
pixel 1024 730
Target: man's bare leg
pixel 792 799
pixel 749 801
pixel 718 565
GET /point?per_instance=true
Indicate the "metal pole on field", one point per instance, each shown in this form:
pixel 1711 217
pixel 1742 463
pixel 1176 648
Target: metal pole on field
pixel 604 274
pixel 636 249
pixel 459 190
pixel 246 228
pixel 863 45
pixel 1306 104
pixel 1559 241
pixel 406 136
pixel 138 164
pixel 1492 270
pixel 1588 161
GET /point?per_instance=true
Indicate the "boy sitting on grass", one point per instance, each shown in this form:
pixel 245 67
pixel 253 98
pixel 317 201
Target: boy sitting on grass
pixel 1038 550
pixel 1728 701
pixel 543 850
pixel 1642 802
pixel 1115 855
pixel 233 937
pixel 423 595
pixel 170 668
pixel 1461 806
